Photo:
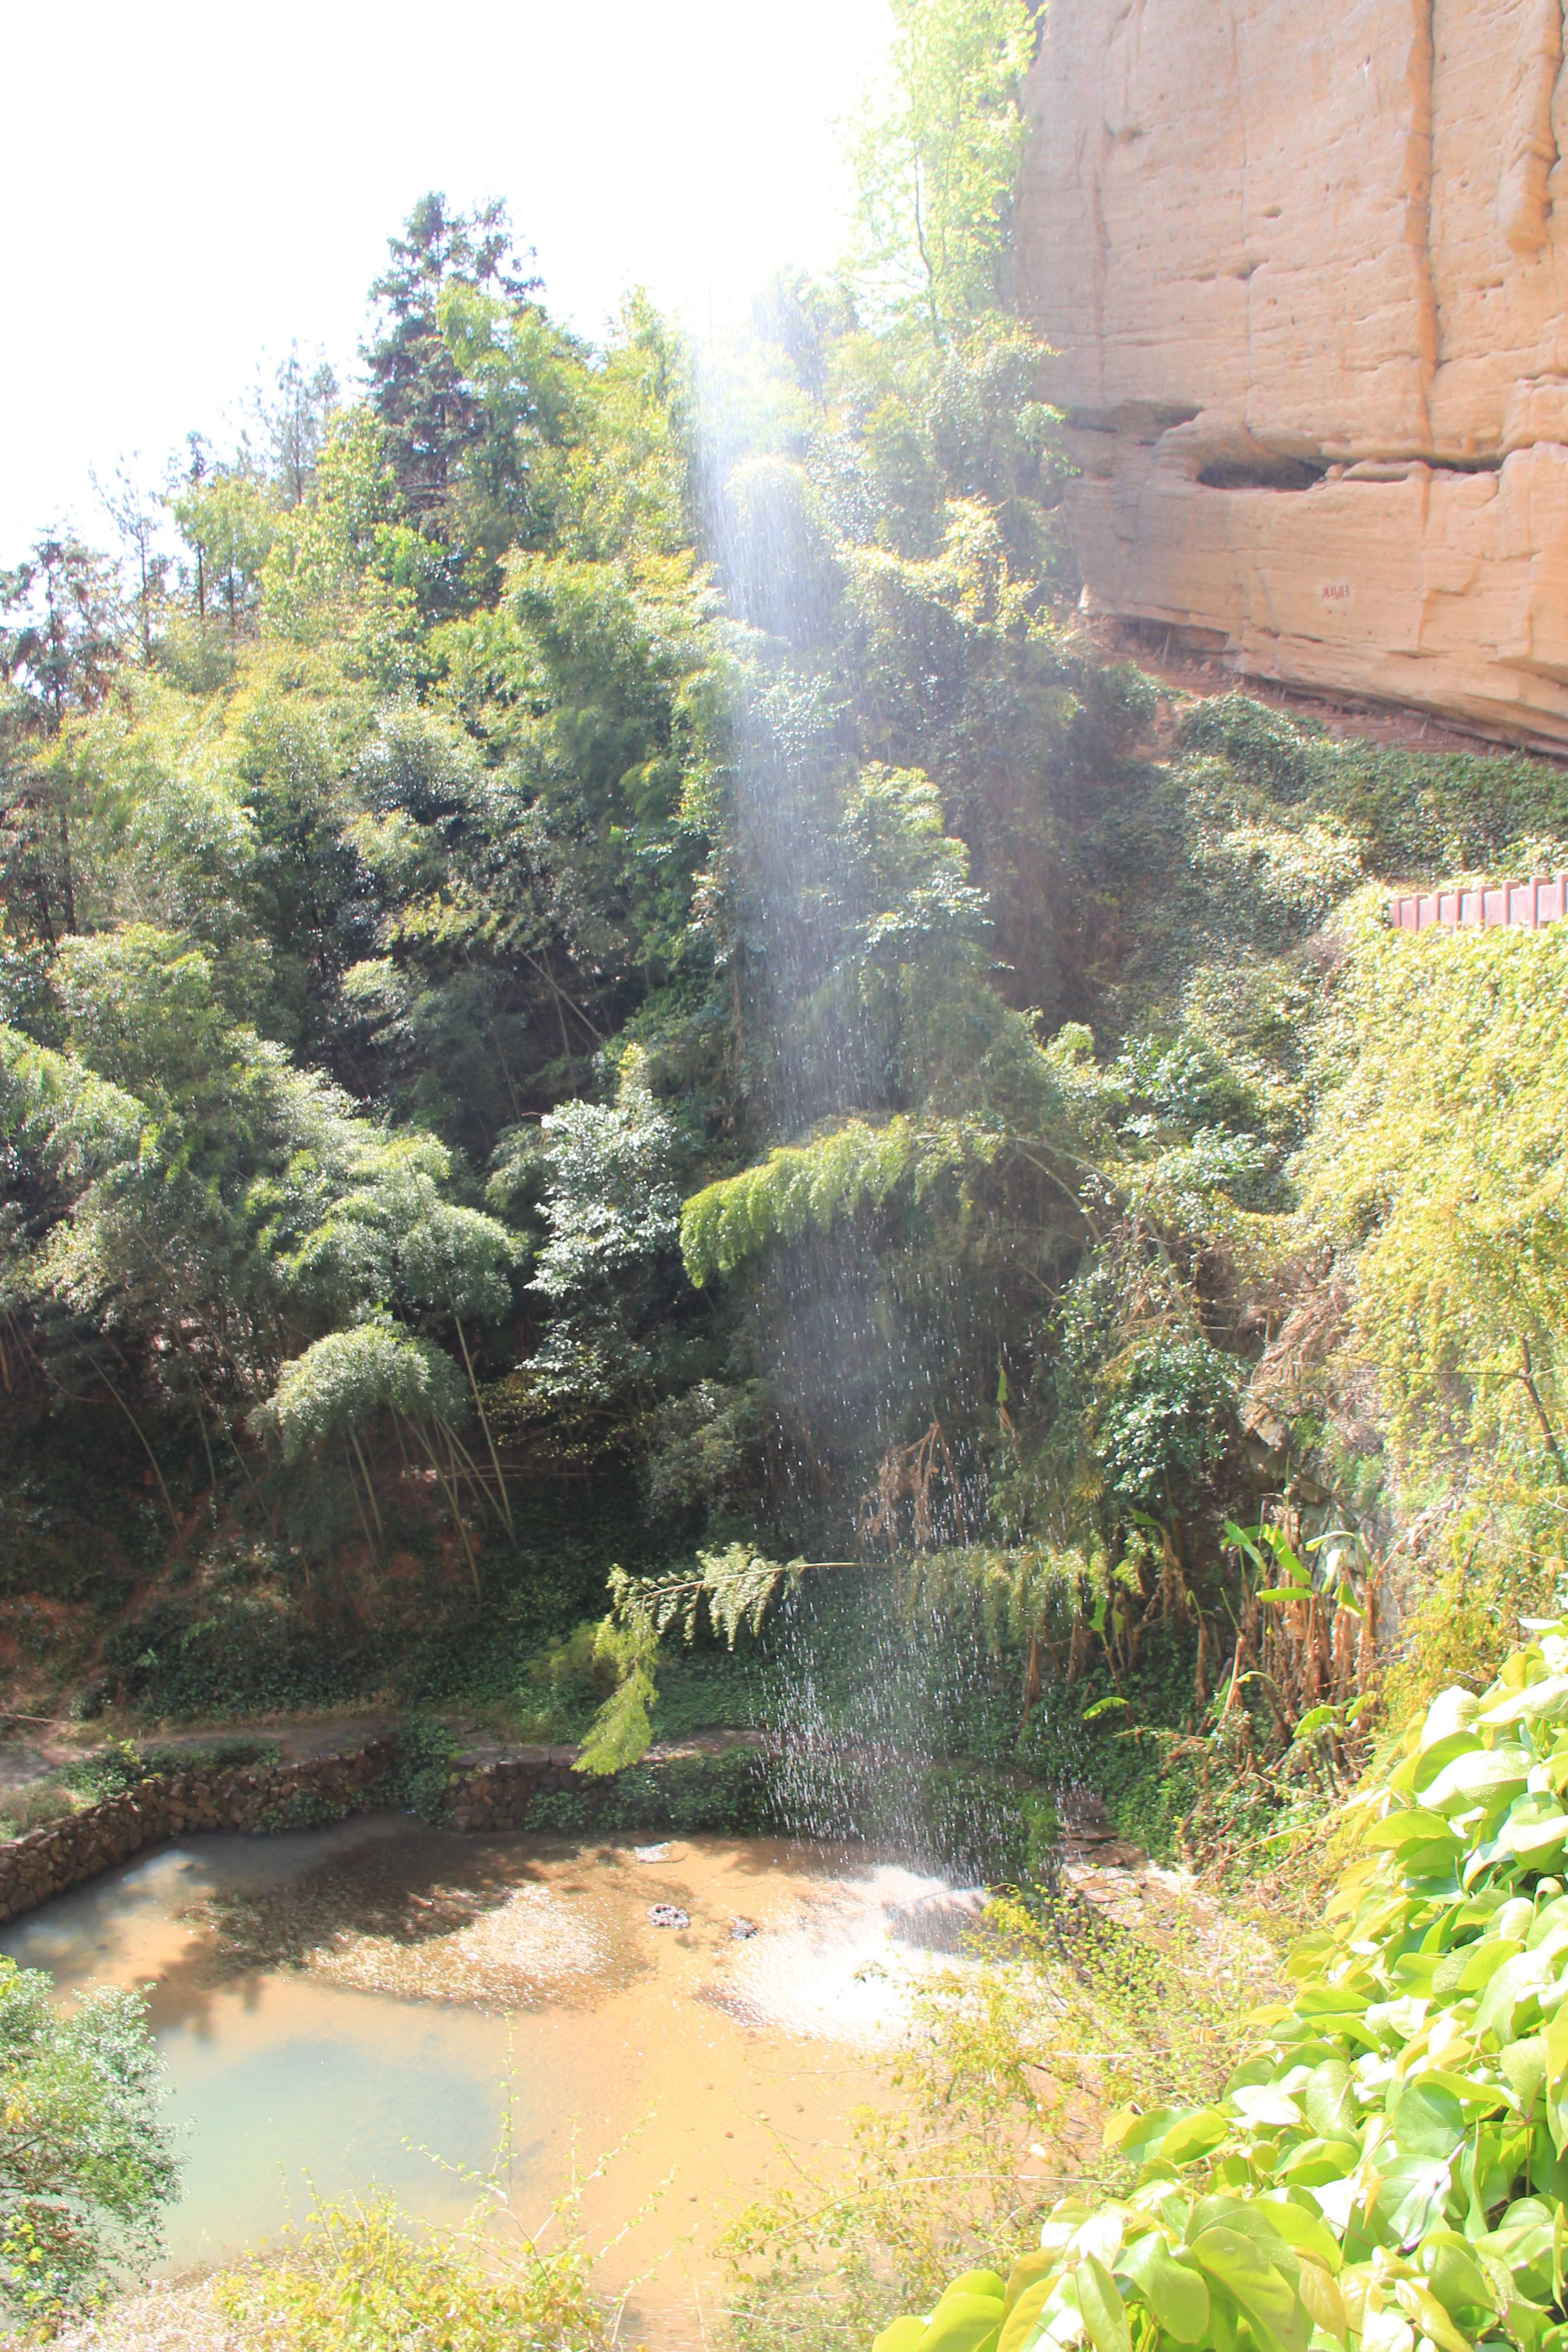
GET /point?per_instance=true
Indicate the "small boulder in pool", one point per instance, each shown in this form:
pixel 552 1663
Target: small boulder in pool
pixel 668 1915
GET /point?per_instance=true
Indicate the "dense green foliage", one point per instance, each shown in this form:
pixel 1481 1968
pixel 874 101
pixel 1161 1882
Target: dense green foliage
pixel 605 1005
pixel 1387 2164
pixel 1442 1154
pixel 594 975
pixel 84 2163
pixel 390 940
pixel 935 178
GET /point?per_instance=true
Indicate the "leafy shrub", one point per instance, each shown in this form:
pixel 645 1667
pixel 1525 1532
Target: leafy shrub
pixel 1438 1159
pixel 85 2163
pixel 122 1765
pixel 240 1654
pixel 1263 745
pixel 727 1792
pixel 1389 2162
pixel 1419 815
pixel 965 1818
pixel 359 2277
pixel 1169 1403
pixel 416 1782
pixel 1116 705
pixel 562 1812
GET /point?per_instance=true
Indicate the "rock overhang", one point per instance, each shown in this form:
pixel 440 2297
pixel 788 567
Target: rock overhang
pixel 1302 274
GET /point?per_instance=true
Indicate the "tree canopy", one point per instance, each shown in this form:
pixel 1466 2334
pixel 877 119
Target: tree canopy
pixel 601 925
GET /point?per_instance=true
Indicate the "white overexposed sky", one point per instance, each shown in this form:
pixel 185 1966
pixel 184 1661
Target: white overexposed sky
pixel 187 188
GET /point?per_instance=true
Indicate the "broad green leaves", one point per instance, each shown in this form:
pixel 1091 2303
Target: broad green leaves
pixel 1173 2291
pixel 1387 2166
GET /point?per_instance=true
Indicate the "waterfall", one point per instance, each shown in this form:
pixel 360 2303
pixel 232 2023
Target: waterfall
pixel 864 1700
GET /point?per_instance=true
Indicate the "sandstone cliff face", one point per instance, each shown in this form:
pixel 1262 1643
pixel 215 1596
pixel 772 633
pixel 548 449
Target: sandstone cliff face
pixel 1303 270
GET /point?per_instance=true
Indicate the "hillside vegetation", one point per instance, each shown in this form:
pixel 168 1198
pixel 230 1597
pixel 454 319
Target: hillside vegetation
pixel 640 1095
pixel 596 976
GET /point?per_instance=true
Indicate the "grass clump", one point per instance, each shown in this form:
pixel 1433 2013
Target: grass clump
pixel 359 2274
pixel 35 1805
pixel 366 2273
pixel 1057 2014
pixel 1388 2161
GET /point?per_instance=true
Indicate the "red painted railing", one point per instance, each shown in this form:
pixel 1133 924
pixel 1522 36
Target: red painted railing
pixel 1542 899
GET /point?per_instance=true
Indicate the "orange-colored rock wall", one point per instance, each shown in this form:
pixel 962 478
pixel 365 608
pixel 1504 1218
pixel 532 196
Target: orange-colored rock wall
pixel 1304 272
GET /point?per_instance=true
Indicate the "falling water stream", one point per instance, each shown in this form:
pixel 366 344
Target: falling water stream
pixel 344 2009
pixel 333 2003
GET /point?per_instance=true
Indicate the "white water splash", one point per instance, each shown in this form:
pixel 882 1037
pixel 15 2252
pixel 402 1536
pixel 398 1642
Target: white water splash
pixel 847 1966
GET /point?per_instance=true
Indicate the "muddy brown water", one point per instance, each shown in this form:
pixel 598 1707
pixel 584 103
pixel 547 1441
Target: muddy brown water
pixel 342 2009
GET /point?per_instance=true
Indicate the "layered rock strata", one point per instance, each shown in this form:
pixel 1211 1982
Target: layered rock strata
pixel 1303 274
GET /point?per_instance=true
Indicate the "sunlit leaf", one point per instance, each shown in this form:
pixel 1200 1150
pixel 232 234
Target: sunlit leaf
pixel 1194 2135
pixel 963 2323
pixel 1104 2313
pixel 1173 2290
pixel 1267 2298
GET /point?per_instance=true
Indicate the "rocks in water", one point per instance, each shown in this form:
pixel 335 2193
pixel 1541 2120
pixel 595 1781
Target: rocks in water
pixel 939 1923
pixel 741 1929
pixel 668 1915
pixel 651 1853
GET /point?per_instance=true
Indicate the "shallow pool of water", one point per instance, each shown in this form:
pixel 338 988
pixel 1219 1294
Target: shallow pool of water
pixel 346 2008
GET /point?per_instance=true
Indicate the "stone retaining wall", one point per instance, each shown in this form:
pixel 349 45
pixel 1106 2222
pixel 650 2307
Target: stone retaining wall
pixel 62 1853
pixel 485 1790
pixel 495 1792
